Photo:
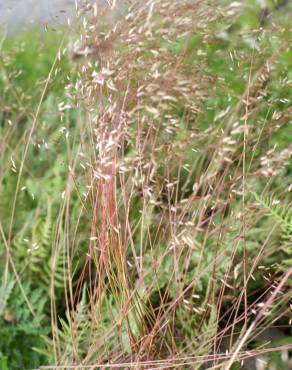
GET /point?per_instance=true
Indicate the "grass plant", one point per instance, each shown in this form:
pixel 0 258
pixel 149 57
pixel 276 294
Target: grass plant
pixel 145 215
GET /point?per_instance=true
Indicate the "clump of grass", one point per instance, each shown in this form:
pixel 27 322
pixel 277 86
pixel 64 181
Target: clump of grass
pixel 167 244
pixel 174 145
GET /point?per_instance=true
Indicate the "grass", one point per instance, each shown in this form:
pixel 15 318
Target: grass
pixel 146 190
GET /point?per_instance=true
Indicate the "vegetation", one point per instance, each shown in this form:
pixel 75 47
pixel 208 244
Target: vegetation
pixel 145 183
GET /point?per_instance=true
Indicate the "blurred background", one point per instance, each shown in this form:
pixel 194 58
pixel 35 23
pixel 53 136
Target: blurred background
pixel 17 14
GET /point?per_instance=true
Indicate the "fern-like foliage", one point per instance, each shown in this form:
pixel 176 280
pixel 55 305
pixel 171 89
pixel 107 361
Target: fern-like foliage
pixel 35 252
pixel 74 335
pixel 5 292
pixel 282 214
pixel 18 329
